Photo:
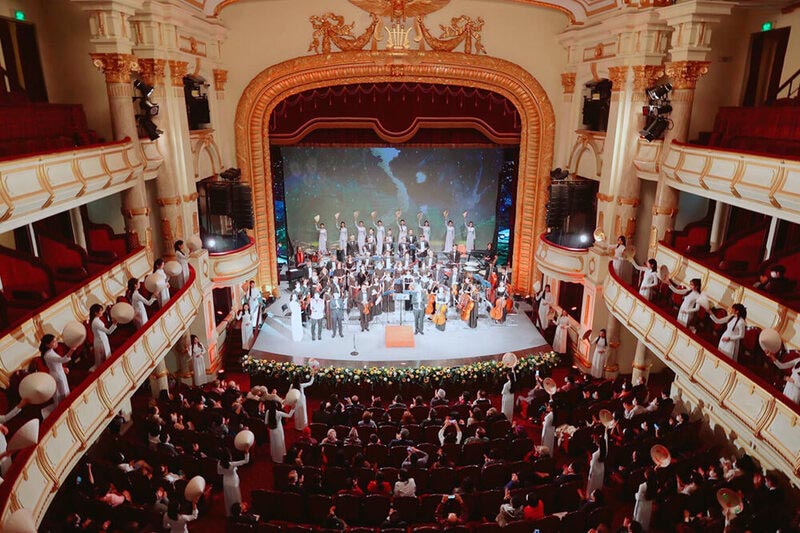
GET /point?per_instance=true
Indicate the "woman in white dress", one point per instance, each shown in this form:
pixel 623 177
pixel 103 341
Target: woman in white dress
pixel 792 388
pixel 388 243
pixel 545 299
pixel 274 420
pixel 297 318
pixel 691 301
pixel 139 302
pixel 645 495
pixel 174 521
pixel 449 237
pixel 162 293
pixel 246 326
pixel 549 429
pixel 323 238
pixel 470 234
pixel 380 237
pixel 182 257
pixel 507 395
pixel 619 253
pixel 426 229
pixel 101 346
pixel 362 237
pixel 230 478
pixel 197 355
pixel 597 465
pixel 562 332
pixel 650 280
pixel 343 237
pixel 600 355
pixel 301 407
pixel 55 366
pixel 734 332
pixel 402 231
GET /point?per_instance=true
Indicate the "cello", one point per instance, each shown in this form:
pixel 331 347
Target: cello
pixel 467 307
pixel 498 310
pixel 440 317
pixel 430 306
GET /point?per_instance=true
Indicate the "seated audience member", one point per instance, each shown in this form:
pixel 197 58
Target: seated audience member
pixel 451 511
pixel 450 433
pixel 379 485
pixel 366 421
pixel 397 403
pixel 393 520
pixel 405 485
pixel 440 398
pixel 294 482
pixel 778 284
pixel 334 522
pixel 352 438
pixel 416 458
pixel 480 436
pixel 331 437
pixel 534 507
pixel 510 510
pixel 240 514
pixel 401 439
pixel 352 488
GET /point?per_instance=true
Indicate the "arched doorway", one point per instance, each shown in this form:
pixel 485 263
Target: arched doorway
pixel 285 79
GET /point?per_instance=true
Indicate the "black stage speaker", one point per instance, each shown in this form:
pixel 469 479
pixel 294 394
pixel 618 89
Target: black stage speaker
pixel 219 199
pixel 558 205
pixel 242 206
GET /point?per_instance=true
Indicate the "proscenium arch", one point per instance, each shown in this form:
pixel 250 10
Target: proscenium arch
pixel 283 80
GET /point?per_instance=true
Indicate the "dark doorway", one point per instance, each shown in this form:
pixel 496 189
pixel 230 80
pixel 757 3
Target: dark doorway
pixel 767 51
pixel 23 66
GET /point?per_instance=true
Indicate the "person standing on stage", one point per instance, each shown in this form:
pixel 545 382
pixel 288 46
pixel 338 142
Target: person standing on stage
pixel 425 227
pixel 545 299
pixel 317 316
pixel 473 314
pixel 418 307
pixel 297 317
pixel 442 298
pixel 364 305
pixel 449 237
pixel 362 237
pixel 403 230
pixel 388 243
pixel 470 233
pixel 370 246
pixel 337 313
pixel 342 239
pixel 352 247
pixel 490 255
pixel 254 299
pixel 380 235
pixel 323 236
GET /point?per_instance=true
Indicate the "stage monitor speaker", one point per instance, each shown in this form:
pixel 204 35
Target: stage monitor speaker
pixel 242 206
pixel 219 199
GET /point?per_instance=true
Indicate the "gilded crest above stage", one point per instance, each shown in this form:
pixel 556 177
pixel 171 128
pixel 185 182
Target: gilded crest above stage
pixel 331 29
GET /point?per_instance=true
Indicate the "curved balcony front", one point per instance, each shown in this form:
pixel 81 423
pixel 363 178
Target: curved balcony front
pixel 759 418
pixel 20 345
pixel 561 262
pixel 37 472
pixel 760 183
pixel 233 267
pixel 37 186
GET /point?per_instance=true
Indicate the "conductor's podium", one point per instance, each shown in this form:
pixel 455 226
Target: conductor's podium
pixel 399 337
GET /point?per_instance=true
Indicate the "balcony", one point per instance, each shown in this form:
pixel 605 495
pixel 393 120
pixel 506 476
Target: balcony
pixel 20 345
pixel 37 186
pixel 233 267
pixel 760 418
pixel 647 159
pixel 758 182
pixel 37 472
pixel 561 262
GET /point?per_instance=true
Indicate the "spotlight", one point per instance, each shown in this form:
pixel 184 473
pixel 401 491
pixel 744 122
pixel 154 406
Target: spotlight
pixel 148 107
pixel 149 127
pixel 654 110
pixel 559 174
pixel 584 238
pixel 143 88
pixel 211 242
pixel 659 92
pixel 655 130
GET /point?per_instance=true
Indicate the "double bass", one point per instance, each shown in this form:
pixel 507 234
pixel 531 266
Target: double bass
pixel 497 311
pixel 440 317
pixel 430 306
pixel 467 307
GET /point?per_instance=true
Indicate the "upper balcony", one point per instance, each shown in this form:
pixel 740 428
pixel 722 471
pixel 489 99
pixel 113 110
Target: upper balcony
pixel 561 262
pixel 233 267
pixel 36 186
pixel 739 397
pixel 763 183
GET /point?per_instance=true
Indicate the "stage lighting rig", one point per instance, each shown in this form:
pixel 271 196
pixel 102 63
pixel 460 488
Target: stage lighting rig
pixel 658 92
pixel 148 110
pixel 559 174
pixel 655 129
pixel 656 110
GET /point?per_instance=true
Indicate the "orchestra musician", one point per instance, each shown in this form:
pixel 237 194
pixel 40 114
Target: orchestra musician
pixel 418 308
pixel 364 300
pixel 337 307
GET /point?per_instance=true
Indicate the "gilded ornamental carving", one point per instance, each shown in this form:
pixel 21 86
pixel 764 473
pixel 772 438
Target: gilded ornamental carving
pixel 684 74
pixel 220 79
pixel 117 68
pixel 152 71
pixel 568 82
pixel 177 71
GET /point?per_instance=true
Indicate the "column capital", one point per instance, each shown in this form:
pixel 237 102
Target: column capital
pixel 177 71
pixel 152 71
pixel 221 78
pixel 618 77
pixel 645 76
pixel 116 67
pixel 684 74
pixel 567 81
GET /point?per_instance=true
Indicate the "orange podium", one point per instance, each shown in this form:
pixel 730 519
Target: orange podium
pixel 399 337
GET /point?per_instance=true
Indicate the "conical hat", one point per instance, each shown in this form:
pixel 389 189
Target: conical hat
pixel 550 386
pixel 122 312
pixel 728 498
pixel 195 488
pixel 292 397
pixel 20 521
pixel 244 440
pixel 510 359
pixel 770 340
pixel 173 268
pixel 26 436
pixel 37 388
pixel 73 334
pixel 606 418
pixel 660 455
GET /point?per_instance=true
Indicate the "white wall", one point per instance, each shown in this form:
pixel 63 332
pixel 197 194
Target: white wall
pixel 263 33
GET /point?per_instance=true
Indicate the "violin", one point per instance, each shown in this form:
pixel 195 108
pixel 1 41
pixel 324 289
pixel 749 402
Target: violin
pixel 497 311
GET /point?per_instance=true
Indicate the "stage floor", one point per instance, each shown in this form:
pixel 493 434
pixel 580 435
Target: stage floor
pixel 457 345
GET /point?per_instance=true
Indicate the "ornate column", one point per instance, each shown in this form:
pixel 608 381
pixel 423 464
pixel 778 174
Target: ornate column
pixel 215 99
pixel 117 68
pixel 641 369
pixel 569 119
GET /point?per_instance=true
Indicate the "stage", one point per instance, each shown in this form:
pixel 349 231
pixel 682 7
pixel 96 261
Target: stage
pixel 457 345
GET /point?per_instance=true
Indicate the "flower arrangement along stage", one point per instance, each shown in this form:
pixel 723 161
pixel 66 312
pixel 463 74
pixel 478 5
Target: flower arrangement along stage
pixel 488 374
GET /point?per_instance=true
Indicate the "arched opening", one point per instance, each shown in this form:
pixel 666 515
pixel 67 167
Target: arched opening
pixel 281 81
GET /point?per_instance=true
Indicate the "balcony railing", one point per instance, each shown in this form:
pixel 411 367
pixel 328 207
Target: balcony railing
pixel 561 262
pixel 37 472
pixel 234 267
pixel 647 159
pixel 763 420
pixel 35 187
pixel 19 345
pixel 758 182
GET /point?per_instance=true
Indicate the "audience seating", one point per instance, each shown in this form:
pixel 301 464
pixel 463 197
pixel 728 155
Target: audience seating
pixel 39 127
pixel 26 283
pixel 762 130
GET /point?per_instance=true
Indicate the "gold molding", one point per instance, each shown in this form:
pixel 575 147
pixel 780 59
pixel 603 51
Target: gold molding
pixel 645 76
pixel 171 200
pixel 152 71
pixel 568 82
pixel 177 71
pixel 280 81
pixel 220 79
pixel 190 197
pixel 631 201
pixel 669 211
pixel 605 197
pixel 117 68
pixel 618 77
pixel 684 74
pixel 136 211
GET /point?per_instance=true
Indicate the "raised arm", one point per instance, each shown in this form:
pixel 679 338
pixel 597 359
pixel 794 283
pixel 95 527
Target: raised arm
pixel 723 320
pixel 640 268
pixel 242 462
pixel 787 364
pixel 682 292
pixel 308 383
